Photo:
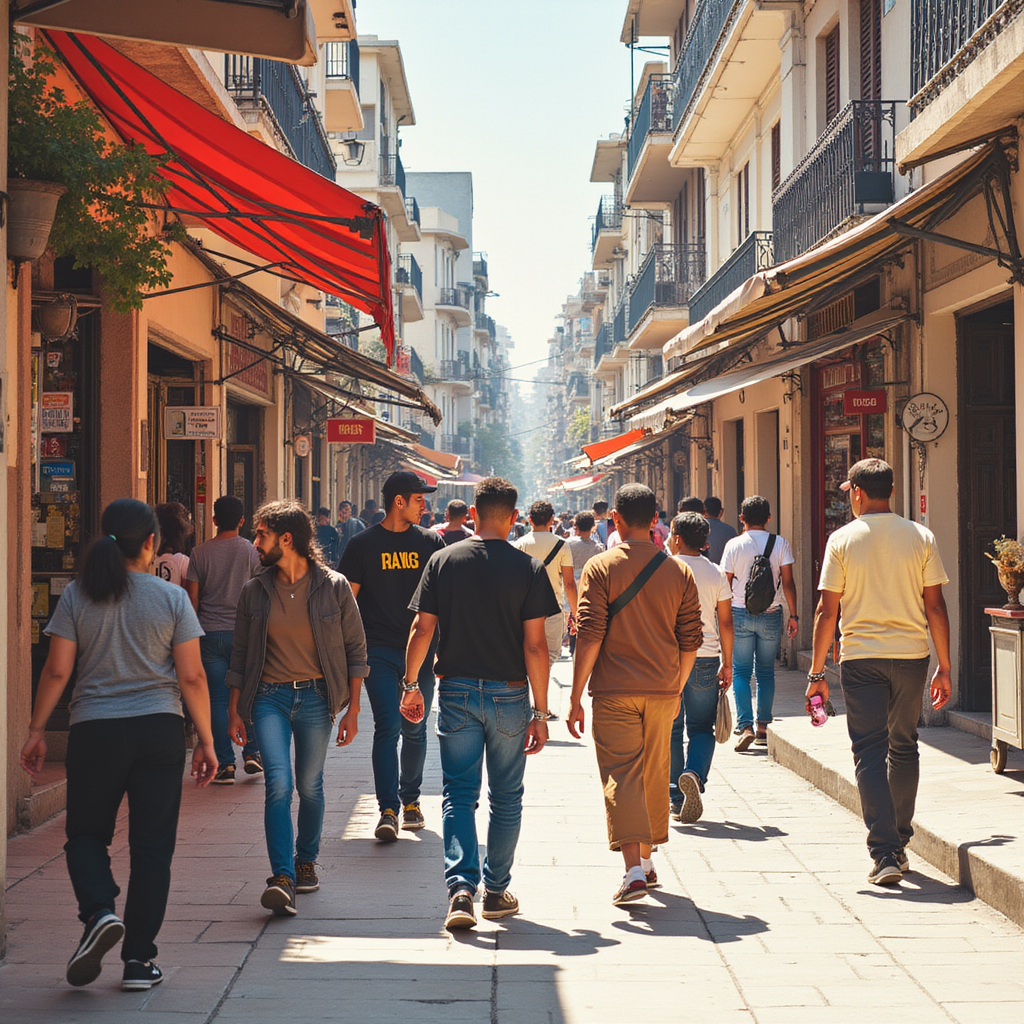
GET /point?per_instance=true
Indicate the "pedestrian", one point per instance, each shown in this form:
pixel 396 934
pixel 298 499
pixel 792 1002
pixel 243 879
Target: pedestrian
pixel 490 602
pixel 711 673
pixel 298 661
pixel 454 528
pixel 327 538
pixel 176 530
pixel 134 640
pixel 721 533
pixel 660 531
pixel 553 553
pixel 383 565
pixel 602 524
pixel 638 637
pixel 582 547
pixel 368 511
pixel 347 526
pixel 757 633
pixel 886 573
pixel 217 571
pixel 691 504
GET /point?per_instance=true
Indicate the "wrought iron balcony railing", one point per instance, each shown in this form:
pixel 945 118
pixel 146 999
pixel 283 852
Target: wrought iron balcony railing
pixel 453 297
pixel 341 60
pixel 392 172
pixel 279 91
pixel 609 218
pixel 619 321
pixel 849 169
pixel 486 323
pixel 456 444
pixel 408 272
pixel 601 344
pixel 703 41
pixel 412 209
pixel 480 265
pixel 456 369
pixel 670 274
pixel 652 114
pixel 416 365
pixel 754 253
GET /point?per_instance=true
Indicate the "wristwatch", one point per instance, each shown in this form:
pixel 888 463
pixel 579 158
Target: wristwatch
pixel 408 687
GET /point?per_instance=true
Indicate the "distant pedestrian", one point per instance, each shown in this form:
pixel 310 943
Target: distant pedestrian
pixel 298 661
pixel 491 603
pixel 176 531
pixel 582 547
pixel 368 511
pixel 757 636
pixel 217 572
pixel 383 565
pixel 327 538
pixel 134 640
pixel 721 533
pixel 691 761
pixel 886 573
pixel 639 632
pixel 347 526
pixel 454 528
pixel 691 504
pixel 602 524
pixel 660 531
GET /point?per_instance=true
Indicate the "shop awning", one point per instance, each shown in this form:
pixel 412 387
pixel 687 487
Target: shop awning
pixel 670 384
pixel 656 417
pixel 638 448
pixel 578 483
pixel 448 462
pixel 610 445
pixel 273 28
pixel 306 227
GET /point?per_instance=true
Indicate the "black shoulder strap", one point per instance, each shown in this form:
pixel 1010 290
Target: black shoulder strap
pixel 769 546
pixel 554 551
pixel 636 586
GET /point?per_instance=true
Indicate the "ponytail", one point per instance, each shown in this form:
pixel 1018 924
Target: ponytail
pixel 126 525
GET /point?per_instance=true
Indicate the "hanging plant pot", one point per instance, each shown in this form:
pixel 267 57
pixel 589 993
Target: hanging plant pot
pixel 56 319
pixel 31 206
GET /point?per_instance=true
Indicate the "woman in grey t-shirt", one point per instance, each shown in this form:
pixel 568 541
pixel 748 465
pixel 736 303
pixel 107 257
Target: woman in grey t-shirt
pixel 134 640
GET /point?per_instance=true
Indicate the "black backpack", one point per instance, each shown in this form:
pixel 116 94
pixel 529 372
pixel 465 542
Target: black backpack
pixel 761 586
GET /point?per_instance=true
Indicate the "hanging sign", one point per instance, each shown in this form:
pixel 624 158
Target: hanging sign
pixel 863 403
pixel 185 422
pixel 352 431
pixel 57 476
pixel 56 412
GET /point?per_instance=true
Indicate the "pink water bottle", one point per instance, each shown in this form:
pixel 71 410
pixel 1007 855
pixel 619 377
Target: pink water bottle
pixel 818 714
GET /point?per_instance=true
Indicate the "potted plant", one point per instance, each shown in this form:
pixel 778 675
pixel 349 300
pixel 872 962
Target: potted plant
pixel 60 150
pixel 1009 561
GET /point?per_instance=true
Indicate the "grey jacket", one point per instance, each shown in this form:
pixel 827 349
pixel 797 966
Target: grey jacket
pixel 337 630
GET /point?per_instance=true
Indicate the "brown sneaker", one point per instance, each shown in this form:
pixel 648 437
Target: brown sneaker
pixel 279 896
pixel 746 738
pixel 305 876
pixel 498 905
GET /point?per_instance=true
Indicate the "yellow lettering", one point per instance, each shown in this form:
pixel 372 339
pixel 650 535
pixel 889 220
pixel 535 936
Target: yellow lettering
pixel 414 559
pixel 385 560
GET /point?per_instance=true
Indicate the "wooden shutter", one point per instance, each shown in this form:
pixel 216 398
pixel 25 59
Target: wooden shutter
pixel 776 155
pixel 870 49
pixel 832 74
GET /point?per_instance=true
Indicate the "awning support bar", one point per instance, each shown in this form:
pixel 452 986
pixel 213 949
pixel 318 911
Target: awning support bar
pixel 1016 267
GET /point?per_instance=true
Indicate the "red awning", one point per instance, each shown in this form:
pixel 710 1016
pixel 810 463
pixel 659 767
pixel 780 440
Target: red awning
pixel 578 483
pixel 308 227
pixel 599 449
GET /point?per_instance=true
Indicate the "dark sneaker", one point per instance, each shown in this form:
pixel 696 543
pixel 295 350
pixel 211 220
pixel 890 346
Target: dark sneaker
pixel 746 738
pixel 306 879
pixel 498 905
pixel 102 933
pixel 279 896
pixel 761 738
pixel 652 879
pixel 225 775
pixel 693 806
pixel 253 764
pixel 630 892
pixel 460 911
pixel 674 808
pixel 412 817
pixel 902 860
pixel 387 828
pixel 886 871
pixel 139 976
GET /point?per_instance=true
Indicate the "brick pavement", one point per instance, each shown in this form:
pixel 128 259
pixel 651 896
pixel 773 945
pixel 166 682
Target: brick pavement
pixel 765 916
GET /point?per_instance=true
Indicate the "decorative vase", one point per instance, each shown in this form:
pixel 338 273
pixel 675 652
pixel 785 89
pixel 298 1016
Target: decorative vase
pixel 1012 581
pixel 31 207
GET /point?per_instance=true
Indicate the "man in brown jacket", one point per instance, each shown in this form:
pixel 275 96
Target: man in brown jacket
pixel 638 634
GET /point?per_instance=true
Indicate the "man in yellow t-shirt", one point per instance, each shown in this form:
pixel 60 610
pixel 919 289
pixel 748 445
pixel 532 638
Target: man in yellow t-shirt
pixel 886 572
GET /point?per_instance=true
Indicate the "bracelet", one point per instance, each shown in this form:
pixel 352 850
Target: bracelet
pixel 408 687
pixel 797 617
pixel 541 716
pixel 815 677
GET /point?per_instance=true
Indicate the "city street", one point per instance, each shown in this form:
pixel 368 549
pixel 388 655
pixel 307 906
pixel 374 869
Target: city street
pixel 764 916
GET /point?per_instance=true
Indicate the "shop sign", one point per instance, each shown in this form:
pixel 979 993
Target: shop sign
pixel 863 403
pixel 352 431
pixel 303 445
pixel 57 476
pixel 56 412
pixel 192 421
pixel 54 447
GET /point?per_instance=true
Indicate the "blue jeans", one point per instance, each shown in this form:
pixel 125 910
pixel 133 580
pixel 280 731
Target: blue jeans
pixel 697 719
pixel 215 652
pixel 755 645
pixel 279 713
pixel 478 719
pixel 397 781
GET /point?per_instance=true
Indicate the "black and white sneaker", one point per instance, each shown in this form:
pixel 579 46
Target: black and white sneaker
pixel 498 905
pixel 460 911
pixel 902 860
pixel 279 896
pixel 139 976
pixel 886 871
pixel 102 933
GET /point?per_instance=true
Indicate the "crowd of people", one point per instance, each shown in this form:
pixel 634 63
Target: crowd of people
pixel 270 643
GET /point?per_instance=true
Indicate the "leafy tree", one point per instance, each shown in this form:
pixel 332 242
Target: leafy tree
pixel 579 427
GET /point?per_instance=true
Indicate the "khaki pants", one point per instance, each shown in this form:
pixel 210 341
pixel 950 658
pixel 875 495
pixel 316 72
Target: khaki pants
pixel 633 740
pixel 554 630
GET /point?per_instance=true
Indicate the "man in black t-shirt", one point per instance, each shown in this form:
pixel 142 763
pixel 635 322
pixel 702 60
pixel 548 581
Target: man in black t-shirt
pixel 490 602
pixel 383 564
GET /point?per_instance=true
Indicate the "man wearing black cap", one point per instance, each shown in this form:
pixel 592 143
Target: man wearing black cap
pixel 383 564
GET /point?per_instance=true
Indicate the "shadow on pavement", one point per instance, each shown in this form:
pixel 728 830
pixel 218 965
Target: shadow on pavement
pixel 731 830
pixel 680 916
pixel 518 933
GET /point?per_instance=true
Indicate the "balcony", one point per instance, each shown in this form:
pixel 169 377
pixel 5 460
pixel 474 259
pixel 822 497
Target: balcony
pixel 849 173
pixel 480 268
pixel 602 345
pixel 619 320
pixel 456 444
pixel 577 389
pixel 456 369
pixel 456 302
pixel 660 291
pixel 607 234
pixel 753 254
pixel 409 279
pixel 342 110
pixel 416 365
pixel 649 176
pixel 412 213
pixel 391 191
pixel 278 92
pixel 486 327
pixel 967 73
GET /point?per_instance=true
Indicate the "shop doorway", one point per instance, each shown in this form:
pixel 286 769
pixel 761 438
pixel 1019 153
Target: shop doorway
pixel 244 480
pixel 987 484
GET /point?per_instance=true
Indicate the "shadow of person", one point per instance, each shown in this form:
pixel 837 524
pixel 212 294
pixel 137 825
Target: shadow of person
pixel 731 830
pixel 519 933
pixel 917 888
pixel 679 916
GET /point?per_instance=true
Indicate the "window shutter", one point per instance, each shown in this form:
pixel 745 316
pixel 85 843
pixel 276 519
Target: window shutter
pixel 832 74
pixel 870 50
pixel 776 155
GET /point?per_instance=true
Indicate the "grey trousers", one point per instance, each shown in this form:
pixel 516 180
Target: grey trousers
pixel 883 704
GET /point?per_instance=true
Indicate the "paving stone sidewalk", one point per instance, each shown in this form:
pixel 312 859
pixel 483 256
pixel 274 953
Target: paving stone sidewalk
pixel 765 916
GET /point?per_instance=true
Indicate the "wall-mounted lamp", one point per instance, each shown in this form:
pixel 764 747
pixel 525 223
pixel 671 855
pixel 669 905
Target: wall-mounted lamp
pixel 57 318
pixel 353 151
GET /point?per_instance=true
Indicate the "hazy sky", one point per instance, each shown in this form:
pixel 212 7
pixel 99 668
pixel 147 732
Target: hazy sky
pixel 518 93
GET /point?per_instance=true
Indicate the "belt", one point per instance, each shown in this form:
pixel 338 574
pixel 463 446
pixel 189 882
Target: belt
pixel 298 684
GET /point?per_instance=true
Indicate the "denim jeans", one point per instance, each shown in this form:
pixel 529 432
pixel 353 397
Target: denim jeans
pixel 883 704
pixel 755 645
pixel 215 651
pixel 480 719
pixel 397 780
pixel 697 719
pixel 279 713
pixel 108 758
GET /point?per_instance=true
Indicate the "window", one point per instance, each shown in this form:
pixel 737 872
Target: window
pixel 743 202
pixel 870 49
pixel 776 155
pixel 831 74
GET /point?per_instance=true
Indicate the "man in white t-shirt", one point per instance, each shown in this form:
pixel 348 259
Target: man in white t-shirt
pixel 757 636
pixel 887 573
pixel 711 672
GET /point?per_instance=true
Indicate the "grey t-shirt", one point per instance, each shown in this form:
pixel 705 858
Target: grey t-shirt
pixel 125 664
pixel 222 567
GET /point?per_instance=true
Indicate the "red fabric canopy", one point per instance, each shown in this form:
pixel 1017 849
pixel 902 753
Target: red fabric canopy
pixel 278 209
pixel 599 449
